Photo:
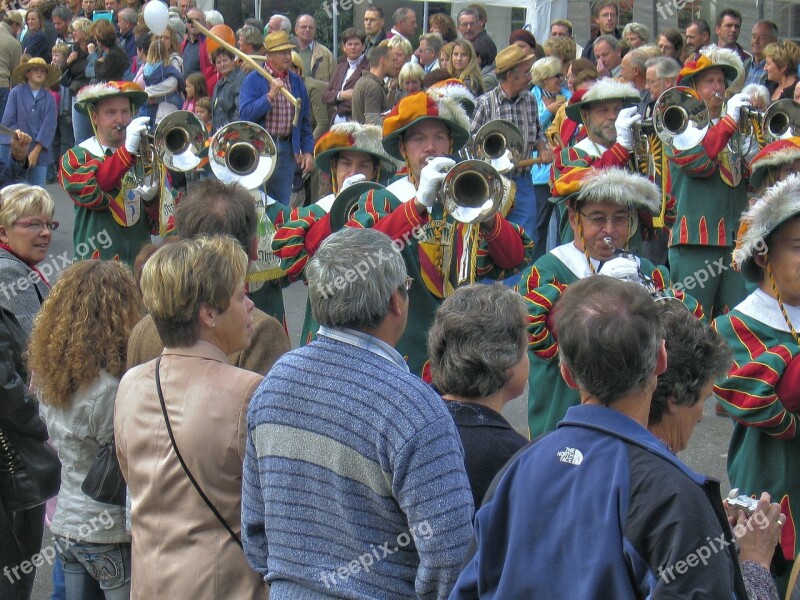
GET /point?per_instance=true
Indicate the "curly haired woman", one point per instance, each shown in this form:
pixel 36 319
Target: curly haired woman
pixel 77 354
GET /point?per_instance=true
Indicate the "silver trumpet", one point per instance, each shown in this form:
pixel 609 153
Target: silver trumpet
pixel 472 191
pixel 681 118
pixel 640 277
pixel 243 152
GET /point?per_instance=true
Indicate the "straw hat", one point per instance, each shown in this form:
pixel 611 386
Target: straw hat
pixel 90 95
pixel 278 41
pixel 420 107
pixel 509 57
pixel 53 73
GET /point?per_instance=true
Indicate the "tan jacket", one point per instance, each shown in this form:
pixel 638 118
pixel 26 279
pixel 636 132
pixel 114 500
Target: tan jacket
pixel 180 549
pixel 322 63
pixel 268 345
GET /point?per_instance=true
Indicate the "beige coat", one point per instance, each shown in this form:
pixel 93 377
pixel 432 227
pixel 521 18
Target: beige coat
pixel 180 550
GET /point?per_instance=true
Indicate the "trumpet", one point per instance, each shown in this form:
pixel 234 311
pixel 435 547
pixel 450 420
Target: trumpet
pixel 472 191
pixel 681 118
pixel 243 152
pixel 176 142
pixel 643 160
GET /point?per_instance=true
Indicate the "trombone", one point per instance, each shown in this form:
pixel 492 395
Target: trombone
pixel 247 59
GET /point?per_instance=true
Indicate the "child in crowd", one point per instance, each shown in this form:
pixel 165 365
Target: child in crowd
pixel 32 109
pixel 202 108
pixel 163 84
pixel 196 87
pixel 63 97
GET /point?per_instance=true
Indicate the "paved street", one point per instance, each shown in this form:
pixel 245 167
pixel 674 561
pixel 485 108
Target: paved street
pixel 707 451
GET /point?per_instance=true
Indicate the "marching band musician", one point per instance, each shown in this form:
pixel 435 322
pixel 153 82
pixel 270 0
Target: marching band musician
pixel 423 130
pixel 774 163
pixel 708 183
pixel 116 208
pixel 607 111
pixel 762 390
pixel 261 102
pixel 348 153
pixel 601 205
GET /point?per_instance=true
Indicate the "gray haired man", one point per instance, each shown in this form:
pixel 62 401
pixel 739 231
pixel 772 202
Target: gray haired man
pixel 369 449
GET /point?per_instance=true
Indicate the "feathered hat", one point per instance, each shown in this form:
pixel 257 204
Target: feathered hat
pixel 615 185
pixel 779 203
pixel 357 138
pixel 605 90
pixel 776 154
pixel 455 89
pixel 90 95
pixel 419 107
pixel 714 57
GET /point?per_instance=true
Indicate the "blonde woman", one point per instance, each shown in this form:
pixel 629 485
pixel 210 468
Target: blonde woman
pixel 464 66
pixel 410 78
pixel 445 55
pixel 26 230
pixel 782 59
pixel 76 356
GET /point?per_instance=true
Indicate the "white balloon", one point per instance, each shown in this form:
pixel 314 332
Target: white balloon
pixel 156 16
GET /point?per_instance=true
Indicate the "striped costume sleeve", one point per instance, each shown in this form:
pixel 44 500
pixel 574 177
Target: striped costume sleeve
pixel 541 290
pixel 700 161
pixel 572 162
pixel 92 182
pixel 382 210
pixel 749 391
pixel 290 243
pixel 663 283
pixel 504 250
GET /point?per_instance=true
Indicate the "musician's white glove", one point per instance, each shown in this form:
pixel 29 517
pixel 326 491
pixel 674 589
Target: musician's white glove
pixel 430 178
pixel 622 268
pixel 624 126
pixel 133 134
pixel 357 178
pixel 735 105
pixel 146 191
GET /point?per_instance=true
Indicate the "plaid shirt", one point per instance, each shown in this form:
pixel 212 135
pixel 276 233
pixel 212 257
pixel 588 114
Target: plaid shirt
pixel 521 111
pixel 278 121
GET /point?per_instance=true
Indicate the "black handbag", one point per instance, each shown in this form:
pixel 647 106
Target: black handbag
pixel 104 482
pixel 30 472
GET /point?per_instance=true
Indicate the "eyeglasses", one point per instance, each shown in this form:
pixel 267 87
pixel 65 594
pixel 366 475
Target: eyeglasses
pixel 409 283
pixel 600 220
pixel 36 225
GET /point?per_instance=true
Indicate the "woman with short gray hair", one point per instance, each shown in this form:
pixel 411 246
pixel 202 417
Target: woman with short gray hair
pixel 477 348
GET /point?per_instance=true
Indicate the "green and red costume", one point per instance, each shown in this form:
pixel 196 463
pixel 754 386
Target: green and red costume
pixel 101 184
pixel 710 189
pixel 541 286
pixel 762 394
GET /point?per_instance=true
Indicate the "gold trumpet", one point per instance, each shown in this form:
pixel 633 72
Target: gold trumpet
pixel 254 65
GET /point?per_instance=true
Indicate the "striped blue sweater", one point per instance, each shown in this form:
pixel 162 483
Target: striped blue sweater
pixel 356 468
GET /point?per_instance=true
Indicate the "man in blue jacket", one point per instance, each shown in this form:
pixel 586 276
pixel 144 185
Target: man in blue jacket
pixel 599 508
pixel 264 104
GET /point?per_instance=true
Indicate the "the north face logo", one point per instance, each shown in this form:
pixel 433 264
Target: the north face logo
pixel 571 456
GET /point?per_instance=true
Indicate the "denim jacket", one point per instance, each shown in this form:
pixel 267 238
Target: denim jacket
pixel 77 432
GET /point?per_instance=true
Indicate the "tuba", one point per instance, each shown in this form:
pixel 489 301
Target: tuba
pixel 472 191
pixel 681 118
pixel 242 152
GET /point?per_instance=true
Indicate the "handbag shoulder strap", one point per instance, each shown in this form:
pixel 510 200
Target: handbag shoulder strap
pixel 208 502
